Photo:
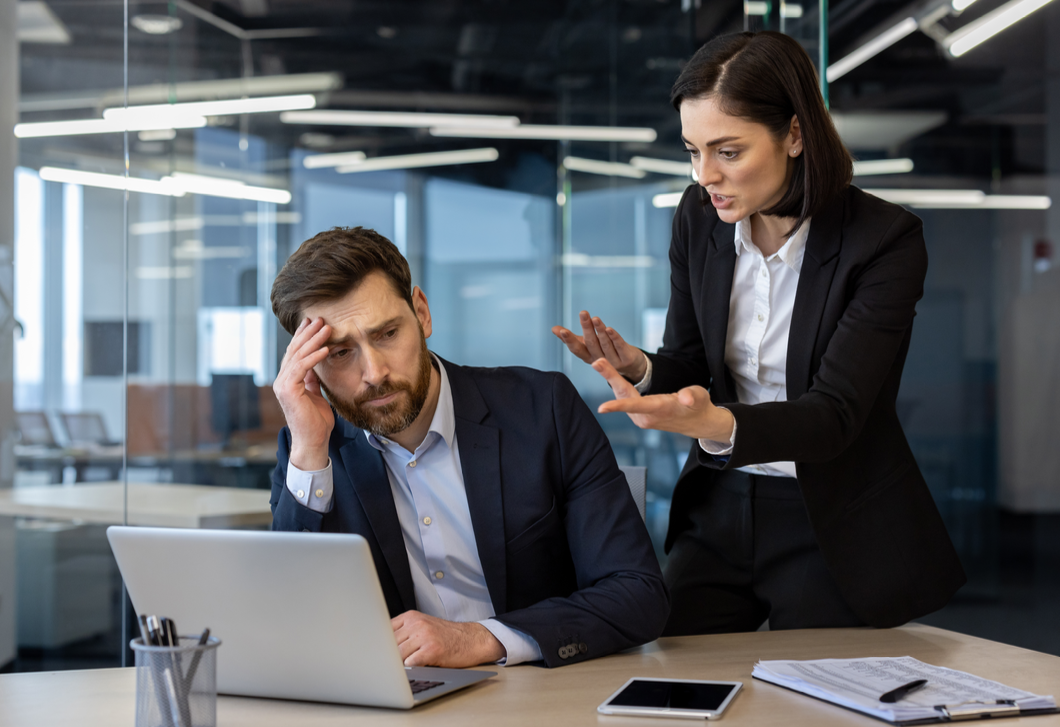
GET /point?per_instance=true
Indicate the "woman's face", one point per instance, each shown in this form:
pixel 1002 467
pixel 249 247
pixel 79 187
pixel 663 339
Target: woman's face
pixel 739 162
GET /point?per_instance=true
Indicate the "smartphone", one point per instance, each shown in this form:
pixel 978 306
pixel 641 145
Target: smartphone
pixel 682 698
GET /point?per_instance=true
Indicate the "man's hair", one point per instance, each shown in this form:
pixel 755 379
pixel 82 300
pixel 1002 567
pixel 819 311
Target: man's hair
pixel 767 78
pixel 330 265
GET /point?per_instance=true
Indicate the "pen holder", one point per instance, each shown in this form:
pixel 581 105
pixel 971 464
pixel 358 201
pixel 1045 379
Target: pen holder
pixel 176 686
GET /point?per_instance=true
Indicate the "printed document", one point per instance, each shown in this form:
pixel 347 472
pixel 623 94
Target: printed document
pixel 859 683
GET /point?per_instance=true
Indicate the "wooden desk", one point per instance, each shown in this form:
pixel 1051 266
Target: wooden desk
pixel 526 695
pixel 161 505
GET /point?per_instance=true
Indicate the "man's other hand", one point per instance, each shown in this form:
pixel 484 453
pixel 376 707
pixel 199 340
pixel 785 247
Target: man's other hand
pixel 428 641
pixel 297 388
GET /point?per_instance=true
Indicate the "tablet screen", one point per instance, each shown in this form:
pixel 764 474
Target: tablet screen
pixel 672 695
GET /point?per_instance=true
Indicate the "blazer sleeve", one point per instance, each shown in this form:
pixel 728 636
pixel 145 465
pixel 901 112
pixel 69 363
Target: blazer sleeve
pixel 859 357
pixel 682 360
pixel 621 599
pixel 287 512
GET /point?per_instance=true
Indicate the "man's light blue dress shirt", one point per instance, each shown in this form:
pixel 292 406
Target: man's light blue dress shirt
pixel 431 503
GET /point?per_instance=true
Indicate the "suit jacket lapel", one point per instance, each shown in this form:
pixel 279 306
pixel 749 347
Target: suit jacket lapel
pixel 717 287
pixel 815 281
pixel 367 475
pixel 480 463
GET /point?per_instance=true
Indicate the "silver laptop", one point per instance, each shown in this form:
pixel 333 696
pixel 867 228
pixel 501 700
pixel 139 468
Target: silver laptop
pixel 299 616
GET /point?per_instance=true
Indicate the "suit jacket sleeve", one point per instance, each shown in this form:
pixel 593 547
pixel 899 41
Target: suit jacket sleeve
pixel 287 512
pixel 621 600
pixel 682 360
pixel 819 425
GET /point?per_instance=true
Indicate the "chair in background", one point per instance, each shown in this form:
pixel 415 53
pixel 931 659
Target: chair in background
pixel 86 427
pixel 35 430
pixel 637 479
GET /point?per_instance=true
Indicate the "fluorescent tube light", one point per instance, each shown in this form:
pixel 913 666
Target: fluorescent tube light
pixel 322 161
pixel 581 260
pixel 105 126
pixel 110 181
pixel 609 169
pixel 227 107
pixel 961 5
pixel 431 159
pixel 882 166
pixel 558 133
pixel 401 119
pixel 669 199
pixel 755 7
pixel 787 10
pixel 963 40
pixel 229 188
pixel 880 43
pixel 662 166
pixel 961 199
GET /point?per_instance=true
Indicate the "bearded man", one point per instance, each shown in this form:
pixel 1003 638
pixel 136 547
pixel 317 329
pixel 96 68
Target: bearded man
pixel 500 524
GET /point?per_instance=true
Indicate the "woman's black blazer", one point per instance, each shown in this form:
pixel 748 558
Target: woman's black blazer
pixel 863 271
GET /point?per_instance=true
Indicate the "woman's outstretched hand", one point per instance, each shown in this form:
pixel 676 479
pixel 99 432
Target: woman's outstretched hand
pixel 601 342
pixel 689 411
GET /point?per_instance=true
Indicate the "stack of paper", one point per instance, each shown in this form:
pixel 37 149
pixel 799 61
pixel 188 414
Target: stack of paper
pixel 858 684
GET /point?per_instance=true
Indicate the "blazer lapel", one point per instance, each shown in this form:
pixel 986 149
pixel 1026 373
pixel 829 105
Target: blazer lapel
pixel 480 463
pixel 815 281
pixel 717 287
pixel 367 475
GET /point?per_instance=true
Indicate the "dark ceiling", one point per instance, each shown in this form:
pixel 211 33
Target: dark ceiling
pixel 599 62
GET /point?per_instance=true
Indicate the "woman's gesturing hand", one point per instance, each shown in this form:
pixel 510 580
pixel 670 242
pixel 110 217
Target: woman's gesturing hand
pixel 689 411
pixel 601 342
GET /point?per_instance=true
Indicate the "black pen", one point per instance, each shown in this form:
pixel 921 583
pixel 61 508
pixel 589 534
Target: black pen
pixel 895 694
pixel 190 676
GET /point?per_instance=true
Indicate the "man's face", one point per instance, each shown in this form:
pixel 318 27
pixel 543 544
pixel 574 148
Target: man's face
pixel 378 373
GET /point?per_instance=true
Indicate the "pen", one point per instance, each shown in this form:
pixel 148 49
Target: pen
pixel 895 694
pixel 190 676
pixel 179 698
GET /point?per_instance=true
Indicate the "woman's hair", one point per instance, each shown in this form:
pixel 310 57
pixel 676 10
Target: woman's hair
pixel 768 78
pixel 331 264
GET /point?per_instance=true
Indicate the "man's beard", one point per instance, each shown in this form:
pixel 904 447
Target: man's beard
pixel 398 415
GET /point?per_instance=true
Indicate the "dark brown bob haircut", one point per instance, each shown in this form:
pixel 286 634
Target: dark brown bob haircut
pixel 330 265
pixel 768 78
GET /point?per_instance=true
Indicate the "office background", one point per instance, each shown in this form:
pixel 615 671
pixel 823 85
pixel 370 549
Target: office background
pixel 139 346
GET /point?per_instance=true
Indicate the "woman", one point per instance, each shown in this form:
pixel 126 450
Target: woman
pixel 792 303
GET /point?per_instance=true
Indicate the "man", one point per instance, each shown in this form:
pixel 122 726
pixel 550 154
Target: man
pixel 501 527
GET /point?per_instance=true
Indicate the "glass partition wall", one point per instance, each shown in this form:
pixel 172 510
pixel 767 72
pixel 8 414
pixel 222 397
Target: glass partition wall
pixel 543 184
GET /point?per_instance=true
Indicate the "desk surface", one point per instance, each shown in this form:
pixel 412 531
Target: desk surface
pixel 157 504
pixel 569 695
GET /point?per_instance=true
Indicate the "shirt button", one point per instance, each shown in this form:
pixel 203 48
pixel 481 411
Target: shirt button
pixel 764 273
pixel 301 494
pixel 427 520
pixel 761 317
pixel 412 463
pixel 754 362
pixel 320 493
pixel 439 575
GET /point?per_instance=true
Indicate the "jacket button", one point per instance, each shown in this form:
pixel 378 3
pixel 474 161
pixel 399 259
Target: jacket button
pixel 583 648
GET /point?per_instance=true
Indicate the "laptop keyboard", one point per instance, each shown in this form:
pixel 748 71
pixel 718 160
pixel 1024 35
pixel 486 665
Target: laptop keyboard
pixel 420 685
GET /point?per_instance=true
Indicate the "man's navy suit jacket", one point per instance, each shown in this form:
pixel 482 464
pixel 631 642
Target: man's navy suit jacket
pixel 565 555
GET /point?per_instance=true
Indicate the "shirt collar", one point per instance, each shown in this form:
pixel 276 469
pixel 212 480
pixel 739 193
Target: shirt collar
pixel 444 421
pixel 790 254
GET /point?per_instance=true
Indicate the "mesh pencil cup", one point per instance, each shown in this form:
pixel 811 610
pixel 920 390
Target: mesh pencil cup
pixel 176 686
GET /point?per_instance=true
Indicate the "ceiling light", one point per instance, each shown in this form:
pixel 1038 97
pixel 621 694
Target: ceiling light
pixel 961 41
pixel 156 24
pixel 396 118
pixel 788 10
pixel 880 43
pixel 662 166
pixel 755 7
pixel 558 133
pixel 882 166
pixel 110 181
pixel 223 187
pixel 669 199
pixel 227 107
pixel 961 5
pixel 610 169
pixel 322 161
pixel 106 126
pixel 432 159
pixel 38 24
pixel 581 260
pixel 157 135
pixel 960 199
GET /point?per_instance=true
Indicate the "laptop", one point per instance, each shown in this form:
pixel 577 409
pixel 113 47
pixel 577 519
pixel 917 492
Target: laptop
pixel 299 616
